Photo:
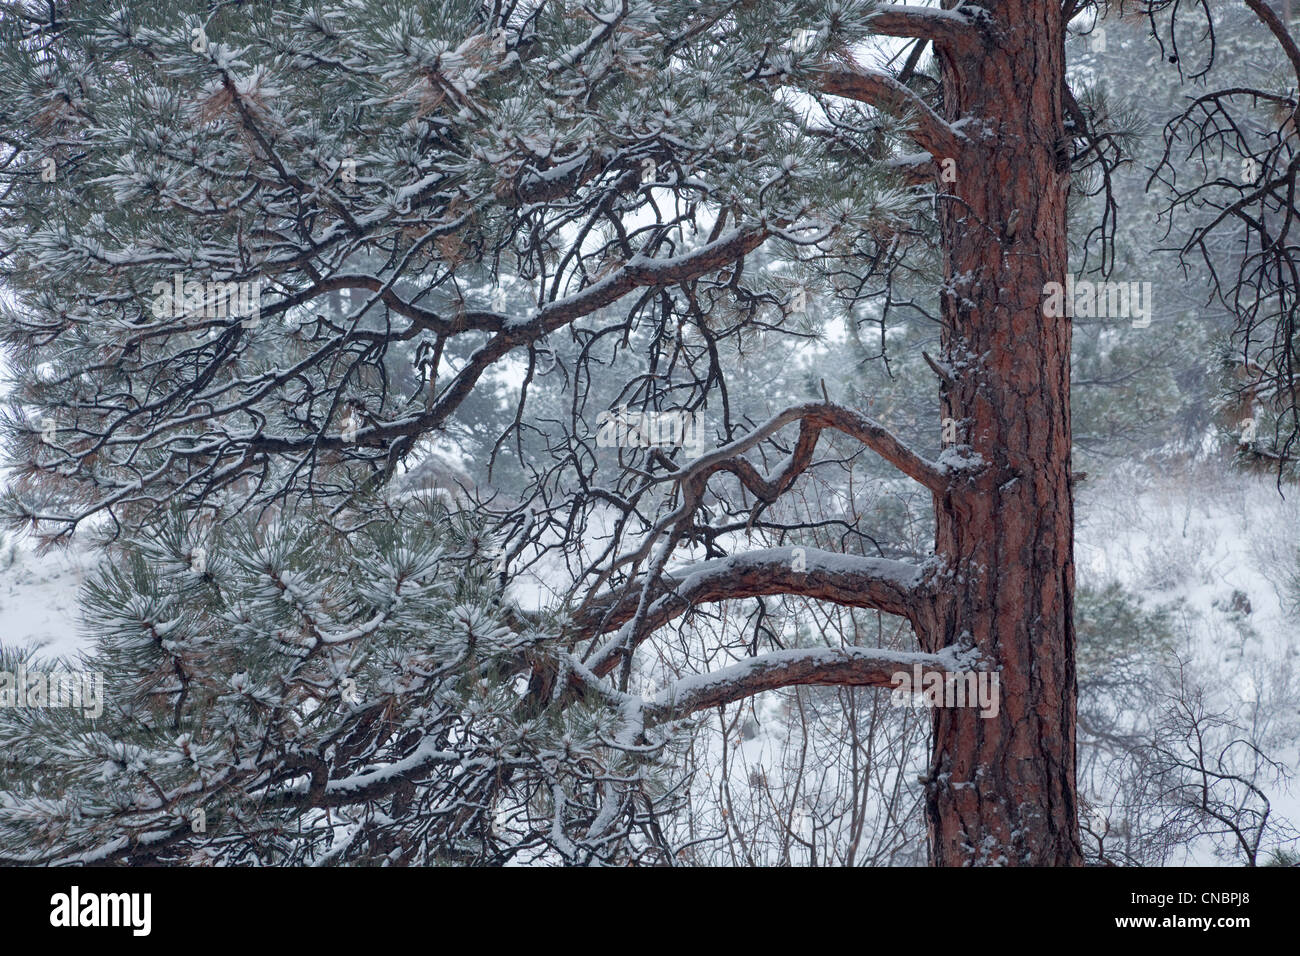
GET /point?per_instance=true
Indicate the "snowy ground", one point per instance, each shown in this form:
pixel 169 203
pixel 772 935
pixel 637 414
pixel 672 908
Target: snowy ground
pixel 1224 549
pixel 38 597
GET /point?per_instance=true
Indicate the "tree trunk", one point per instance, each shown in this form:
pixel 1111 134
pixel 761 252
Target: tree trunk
pixel 1001 789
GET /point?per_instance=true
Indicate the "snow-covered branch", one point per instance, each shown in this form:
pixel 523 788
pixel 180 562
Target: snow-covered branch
pixel 895 587
pixel 930 130
pixel 842 666
pixel 945 27
pixel 814 417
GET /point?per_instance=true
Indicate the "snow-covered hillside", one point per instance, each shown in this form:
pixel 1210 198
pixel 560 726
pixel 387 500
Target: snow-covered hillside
pixel 38 596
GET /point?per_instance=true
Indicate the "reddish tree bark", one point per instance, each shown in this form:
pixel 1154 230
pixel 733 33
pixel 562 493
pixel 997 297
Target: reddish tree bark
pixel 1001 790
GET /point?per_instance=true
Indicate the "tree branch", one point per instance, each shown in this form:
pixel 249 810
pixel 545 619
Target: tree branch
pixel 931 131
pixel 825 666
pixel 944 27
pixel 817 416
pixel 1280 30
pixel 894 587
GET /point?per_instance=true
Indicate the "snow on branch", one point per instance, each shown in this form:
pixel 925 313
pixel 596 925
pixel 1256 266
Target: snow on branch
pixel 945 27
pixel 930 130
pixel 841 666
pixel 815 417
pixel 895 587
pixel 639 272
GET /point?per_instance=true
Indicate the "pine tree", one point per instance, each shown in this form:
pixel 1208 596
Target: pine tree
pixel 319 691
pixel 267 260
